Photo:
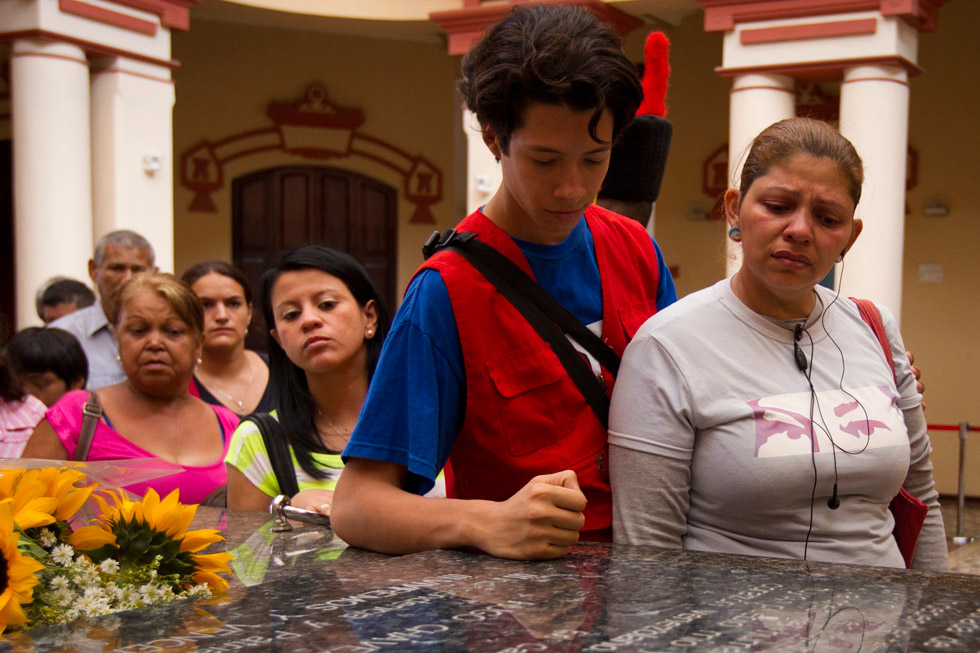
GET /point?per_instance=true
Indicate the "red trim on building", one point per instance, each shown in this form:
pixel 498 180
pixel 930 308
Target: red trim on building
pixel 900 82
pixel 722 15
pixel 464 27
pixel 821 71
pixel 90 47
pixel 50 55
pixel 763 88
pixel 808 31
pixel 107 16
pixel 174 14
pixel 120 71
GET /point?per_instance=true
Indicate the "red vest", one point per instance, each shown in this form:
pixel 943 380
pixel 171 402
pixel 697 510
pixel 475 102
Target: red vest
pixel 524 414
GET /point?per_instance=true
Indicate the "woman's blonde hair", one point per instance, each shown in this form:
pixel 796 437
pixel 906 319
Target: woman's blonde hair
pixel 176 293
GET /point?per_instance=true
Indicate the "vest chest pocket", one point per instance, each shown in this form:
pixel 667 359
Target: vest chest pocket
pixel 536 400
pixel 633 316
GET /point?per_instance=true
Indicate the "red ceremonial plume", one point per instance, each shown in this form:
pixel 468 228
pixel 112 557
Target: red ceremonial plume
pixel 655 75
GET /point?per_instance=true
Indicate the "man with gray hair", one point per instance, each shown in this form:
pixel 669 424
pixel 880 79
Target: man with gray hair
pixel 118 256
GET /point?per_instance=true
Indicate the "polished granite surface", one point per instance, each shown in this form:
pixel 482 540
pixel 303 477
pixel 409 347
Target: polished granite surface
pixel 303 591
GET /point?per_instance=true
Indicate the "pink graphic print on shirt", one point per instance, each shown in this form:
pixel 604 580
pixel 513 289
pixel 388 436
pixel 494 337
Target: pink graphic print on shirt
pixel 871 416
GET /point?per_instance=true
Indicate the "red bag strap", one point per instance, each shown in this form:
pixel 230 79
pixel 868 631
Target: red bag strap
pixel 871 316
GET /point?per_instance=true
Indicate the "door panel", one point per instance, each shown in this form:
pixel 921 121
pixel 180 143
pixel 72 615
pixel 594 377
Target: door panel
pixel 276 210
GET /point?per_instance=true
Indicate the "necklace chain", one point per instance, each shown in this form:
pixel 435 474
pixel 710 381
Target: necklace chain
pixel 248 386
pixel 331 424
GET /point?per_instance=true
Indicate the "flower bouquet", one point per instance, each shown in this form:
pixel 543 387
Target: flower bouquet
pixel 133 554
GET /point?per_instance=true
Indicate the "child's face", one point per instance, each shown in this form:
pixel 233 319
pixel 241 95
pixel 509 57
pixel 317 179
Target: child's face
pixel 552 171
pixel 46 386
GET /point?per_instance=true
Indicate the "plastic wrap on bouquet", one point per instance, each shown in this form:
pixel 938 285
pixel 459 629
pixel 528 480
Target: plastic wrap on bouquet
pixel 109 474
pixel 114 475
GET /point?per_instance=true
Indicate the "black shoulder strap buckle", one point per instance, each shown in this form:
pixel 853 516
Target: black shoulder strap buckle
pixel 438 241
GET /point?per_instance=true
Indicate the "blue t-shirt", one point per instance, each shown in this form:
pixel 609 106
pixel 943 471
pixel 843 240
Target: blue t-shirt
pixel 416 402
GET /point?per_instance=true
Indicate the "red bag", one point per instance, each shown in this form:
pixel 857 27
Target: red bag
pixel 910 515
pixel 909 512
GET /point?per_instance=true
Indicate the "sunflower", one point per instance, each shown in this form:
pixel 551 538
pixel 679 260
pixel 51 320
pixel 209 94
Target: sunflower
pixel 133 532
pixel 61 484
pixel 27 498
pixel 39 497
pixel 17 572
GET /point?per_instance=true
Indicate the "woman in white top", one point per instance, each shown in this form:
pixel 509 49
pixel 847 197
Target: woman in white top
pixel 760 416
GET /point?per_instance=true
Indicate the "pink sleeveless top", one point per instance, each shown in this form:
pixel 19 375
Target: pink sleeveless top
pixel 195 482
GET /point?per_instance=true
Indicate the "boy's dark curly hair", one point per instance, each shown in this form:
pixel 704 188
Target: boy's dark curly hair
pixel 552 54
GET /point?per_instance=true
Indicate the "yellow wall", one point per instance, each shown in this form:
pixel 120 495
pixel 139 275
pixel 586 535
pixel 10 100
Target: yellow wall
pixel 939 320
pixel 229 74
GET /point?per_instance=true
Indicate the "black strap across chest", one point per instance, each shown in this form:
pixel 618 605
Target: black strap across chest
pixel 278 450
pixel 550 319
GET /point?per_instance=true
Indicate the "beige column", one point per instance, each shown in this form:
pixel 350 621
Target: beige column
pixel 132 153
pixel 874 112
pixel 757 101
pixel 52 162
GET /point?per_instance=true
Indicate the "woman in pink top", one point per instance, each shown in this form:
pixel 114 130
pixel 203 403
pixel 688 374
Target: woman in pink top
pixel 151 414
pixel 19 411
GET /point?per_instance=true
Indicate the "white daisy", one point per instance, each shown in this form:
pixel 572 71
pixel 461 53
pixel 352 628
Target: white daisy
pixel 63 554
pixel 48 538
pixel 58 582
pixel 109 566
pixel 64 596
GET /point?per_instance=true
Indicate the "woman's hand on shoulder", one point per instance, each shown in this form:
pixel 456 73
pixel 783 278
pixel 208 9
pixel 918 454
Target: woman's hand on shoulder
pixel 917 373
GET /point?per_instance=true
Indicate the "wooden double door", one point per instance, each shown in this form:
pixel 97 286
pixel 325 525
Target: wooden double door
pixel 282 208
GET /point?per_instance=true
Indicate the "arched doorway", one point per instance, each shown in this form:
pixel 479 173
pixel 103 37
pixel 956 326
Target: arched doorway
pixel 281 208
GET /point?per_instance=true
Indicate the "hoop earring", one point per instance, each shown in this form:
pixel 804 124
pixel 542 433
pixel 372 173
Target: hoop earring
pixel 735 235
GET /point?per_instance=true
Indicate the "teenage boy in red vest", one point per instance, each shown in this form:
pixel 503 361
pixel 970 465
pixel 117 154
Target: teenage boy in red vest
pixel 463 377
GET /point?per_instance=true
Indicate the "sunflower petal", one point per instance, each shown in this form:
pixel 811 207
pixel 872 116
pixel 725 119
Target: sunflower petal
pixel 195 541
pixel 71 502
pixel 89 538
pixel 11 613
pixel 37 512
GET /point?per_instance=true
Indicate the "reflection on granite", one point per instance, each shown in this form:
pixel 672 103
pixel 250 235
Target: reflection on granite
pixel 303 591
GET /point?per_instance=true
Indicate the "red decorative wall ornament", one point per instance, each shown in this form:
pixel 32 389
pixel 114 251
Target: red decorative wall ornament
pixel 714 180
pixel 315 128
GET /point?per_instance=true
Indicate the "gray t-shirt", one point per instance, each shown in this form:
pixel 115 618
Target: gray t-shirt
pixel 710 396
